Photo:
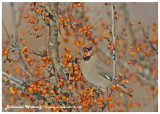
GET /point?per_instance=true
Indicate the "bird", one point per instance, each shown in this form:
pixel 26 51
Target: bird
pixel 97 72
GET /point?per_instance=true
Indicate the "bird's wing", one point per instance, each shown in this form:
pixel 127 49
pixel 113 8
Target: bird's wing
pixel 103 69
pixel 91 74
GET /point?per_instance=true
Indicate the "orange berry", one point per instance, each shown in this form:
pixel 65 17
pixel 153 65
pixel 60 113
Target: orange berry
pixel 126 69
pixel 112 48
pixel 39 35
pixel 68 82
pixel 21 9
pixel 44 58
pixel 38 90
pixel 84 27
pixel 138 49
pixel 58 97
pixel 26 16
pixel 5 52
pixel 69 65
pixel 76 68
pixel 113 87
pixel 65 111
pixel 37 60
pixel 25 48
pixel 67 49
pixel 50 62
pixel 62 80
pixel 76 72
pixel 109 98
pixel 58 85
pixel 22 94
pixel 79 4
pixel 89 32
pixel 67 15
pixel 118 101
pixel 36 28
pixel 138 104
pixel 37 11
pixel 28 59
pixel 40 82
pixel 52 85
pixel 116 16
pixel 82 43
pixel 64 98
pixel 131 23
pixel 144 54
pixel 47 19
pixel 70 87
pixel 90 27
pixel 126 81
pixel 65 24
pixel 110 33
pixel 30 90
pixel 52 92
pixel 32 20
pixel 44 91
pixel 108 46
pixel 129 62
pixel 61 84
pixel 61 19
pixel 130 104
pixel 38 66
pixel 31 85
pixel 106 3
pixel 35 88
pixel 80 30
pixel 31 63
pixel 68 20
pixel 23 74
pixel 72 98
pixel 44 65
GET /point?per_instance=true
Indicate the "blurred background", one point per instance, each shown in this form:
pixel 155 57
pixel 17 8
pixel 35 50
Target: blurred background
pixel 145 96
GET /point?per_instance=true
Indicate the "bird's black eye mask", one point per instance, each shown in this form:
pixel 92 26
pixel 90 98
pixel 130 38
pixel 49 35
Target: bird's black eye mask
pixel 86 58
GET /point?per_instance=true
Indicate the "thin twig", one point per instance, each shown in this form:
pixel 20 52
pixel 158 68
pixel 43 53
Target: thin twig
pixel 149 42
pixel 114 41
pixel 14 21
pixel 15 37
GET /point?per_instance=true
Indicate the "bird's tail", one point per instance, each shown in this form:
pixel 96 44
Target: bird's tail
pixel 123 89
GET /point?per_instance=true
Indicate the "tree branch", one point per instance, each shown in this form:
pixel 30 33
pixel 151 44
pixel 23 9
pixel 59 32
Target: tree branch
pixel 114 41
pixel 53 41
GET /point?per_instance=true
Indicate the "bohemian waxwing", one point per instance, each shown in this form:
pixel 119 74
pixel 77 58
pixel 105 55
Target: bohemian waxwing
pixel 97 73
